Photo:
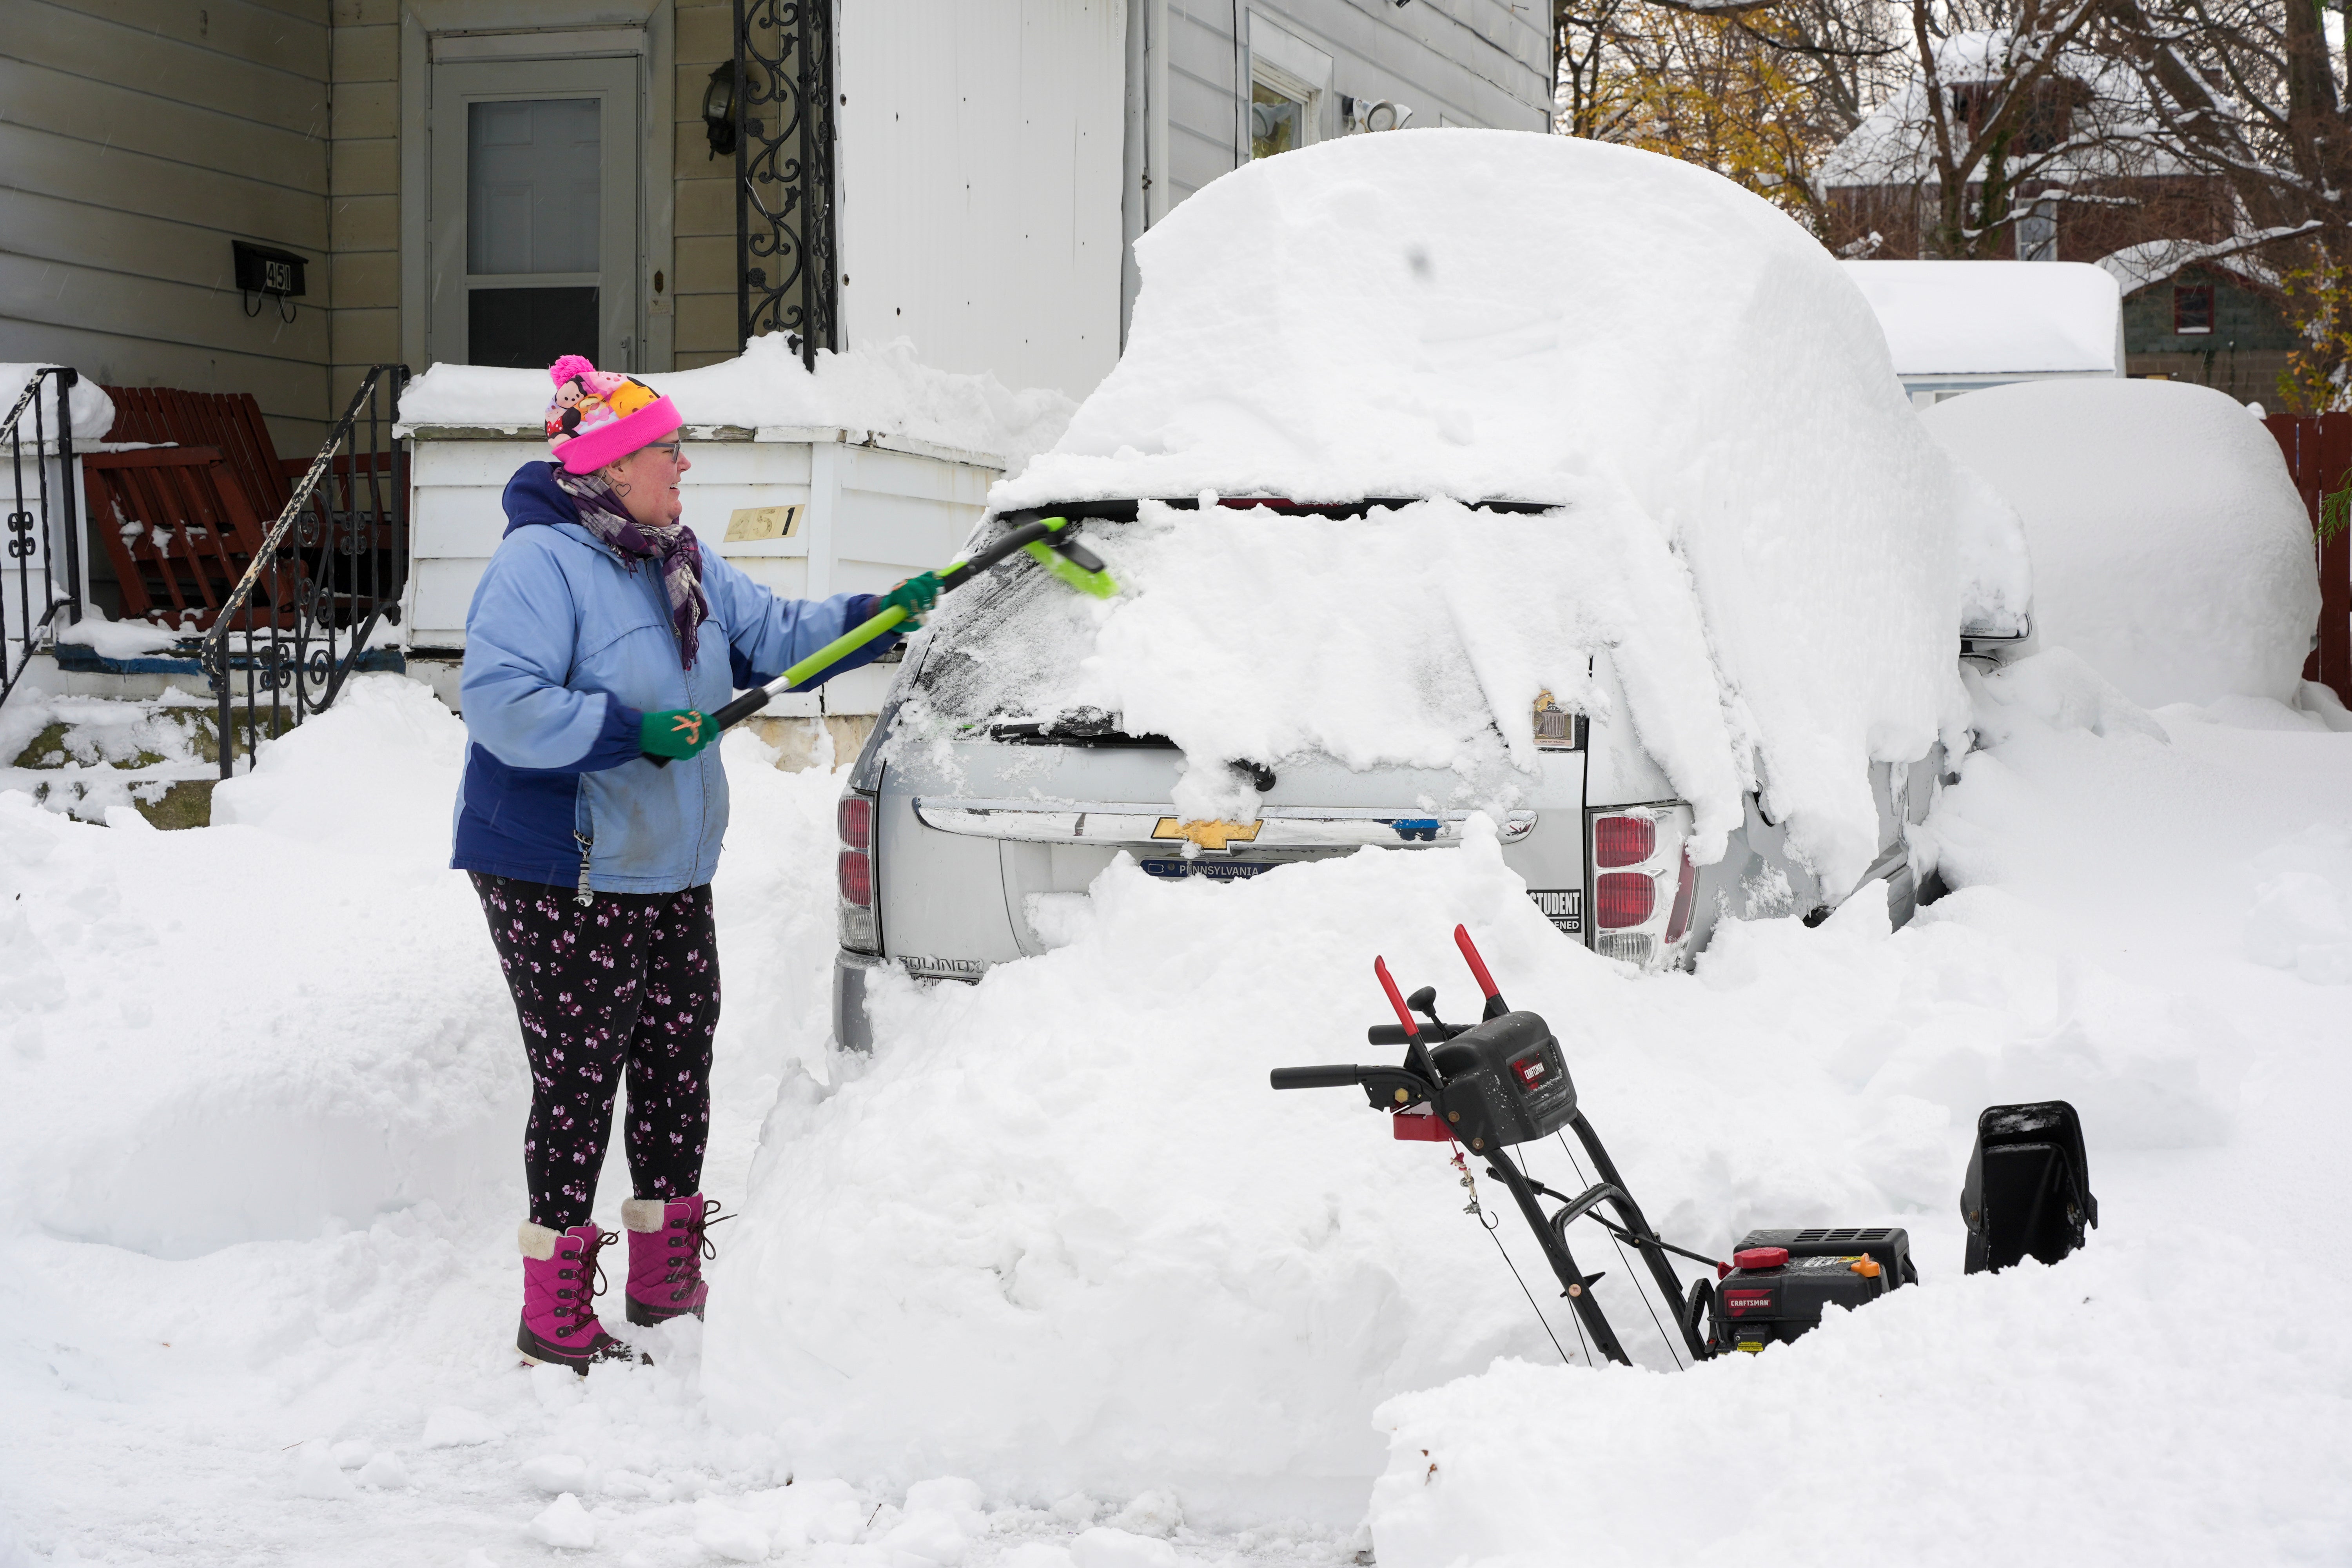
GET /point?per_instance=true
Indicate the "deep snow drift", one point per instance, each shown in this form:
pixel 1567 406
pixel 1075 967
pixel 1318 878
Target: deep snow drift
pixel 1491 315
pixel 2169 547
pixel 2128 1405
pixel 1072 1205
pixel 1150 1295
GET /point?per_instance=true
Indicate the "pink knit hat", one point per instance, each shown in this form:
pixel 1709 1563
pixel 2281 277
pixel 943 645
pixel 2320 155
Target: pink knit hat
pixel 598 417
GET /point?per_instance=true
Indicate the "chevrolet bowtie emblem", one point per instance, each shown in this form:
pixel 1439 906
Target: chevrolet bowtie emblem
pixel 1208 835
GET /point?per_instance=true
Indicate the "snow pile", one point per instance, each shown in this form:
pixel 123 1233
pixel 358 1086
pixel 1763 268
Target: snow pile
pixel 1957 318
pixel 134 1114
pixel 2169 547
pixel 2052 1405
pixel 1482 315
pixel 1059 1224
pixel 1062 1203
pixel 1426 643
pixel 91 409
pixel 883 388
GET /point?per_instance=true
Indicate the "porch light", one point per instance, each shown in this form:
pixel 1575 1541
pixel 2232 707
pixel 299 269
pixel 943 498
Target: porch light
pixel 718 110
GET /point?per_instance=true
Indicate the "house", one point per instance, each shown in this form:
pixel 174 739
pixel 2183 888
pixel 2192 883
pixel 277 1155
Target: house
pixel 268 196
pixel 2204 314
pixel 1959 326
pixel 2083 188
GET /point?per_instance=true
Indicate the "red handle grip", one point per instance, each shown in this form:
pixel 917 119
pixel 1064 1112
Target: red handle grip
pixel 1396 999
pixel 1477 964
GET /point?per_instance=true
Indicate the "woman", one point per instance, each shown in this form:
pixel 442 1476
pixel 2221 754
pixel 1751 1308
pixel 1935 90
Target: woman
pixel 599 638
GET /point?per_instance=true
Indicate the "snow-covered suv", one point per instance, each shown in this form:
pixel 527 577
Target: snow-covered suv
pixel 1449 479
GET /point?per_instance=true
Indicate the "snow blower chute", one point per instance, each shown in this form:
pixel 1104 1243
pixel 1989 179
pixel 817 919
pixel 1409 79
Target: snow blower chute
pixel 1502 1082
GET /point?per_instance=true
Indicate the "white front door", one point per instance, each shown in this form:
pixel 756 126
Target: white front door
pixel 531 224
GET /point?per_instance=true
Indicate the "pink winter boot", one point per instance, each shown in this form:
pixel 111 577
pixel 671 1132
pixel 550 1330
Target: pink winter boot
pixel 559 1309
pixel 667 1247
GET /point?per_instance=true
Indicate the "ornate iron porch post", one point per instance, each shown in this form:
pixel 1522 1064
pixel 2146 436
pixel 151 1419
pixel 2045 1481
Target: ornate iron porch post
pixel 785 258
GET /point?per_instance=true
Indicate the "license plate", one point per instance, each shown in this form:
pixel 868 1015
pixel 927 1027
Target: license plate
pixel 1215 870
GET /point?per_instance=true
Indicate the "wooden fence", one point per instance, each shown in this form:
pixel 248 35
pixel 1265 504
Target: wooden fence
pixel 2318 449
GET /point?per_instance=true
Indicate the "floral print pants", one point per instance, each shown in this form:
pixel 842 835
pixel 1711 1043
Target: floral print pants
pixel 629 982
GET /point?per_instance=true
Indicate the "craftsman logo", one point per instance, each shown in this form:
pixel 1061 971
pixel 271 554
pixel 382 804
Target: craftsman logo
pixel 1564 907
pixel 1739 1301
pixel 1530 1071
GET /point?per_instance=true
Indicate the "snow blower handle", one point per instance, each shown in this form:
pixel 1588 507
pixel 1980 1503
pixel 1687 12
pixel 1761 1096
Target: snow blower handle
pixel 1339 1074
pixel 1052 542
pixel 1495 1005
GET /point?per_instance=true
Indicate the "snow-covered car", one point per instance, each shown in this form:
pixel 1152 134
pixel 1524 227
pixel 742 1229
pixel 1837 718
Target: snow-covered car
pixel 1450 479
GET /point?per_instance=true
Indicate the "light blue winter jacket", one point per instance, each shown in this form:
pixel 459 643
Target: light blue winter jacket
pixel 566 648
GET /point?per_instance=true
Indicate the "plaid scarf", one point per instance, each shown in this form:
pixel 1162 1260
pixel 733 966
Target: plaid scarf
pixel 680 554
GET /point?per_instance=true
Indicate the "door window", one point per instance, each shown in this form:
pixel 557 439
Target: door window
pixel 535 181
pixel 531 235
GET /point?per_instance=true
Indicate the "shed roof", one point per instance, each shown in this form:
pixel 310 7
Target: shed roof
pixel 1995 317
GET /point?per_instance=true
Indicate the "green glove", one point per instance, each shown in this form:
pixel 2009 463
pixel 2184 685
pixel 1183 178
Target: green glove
pixel 678 732
pixel 916 596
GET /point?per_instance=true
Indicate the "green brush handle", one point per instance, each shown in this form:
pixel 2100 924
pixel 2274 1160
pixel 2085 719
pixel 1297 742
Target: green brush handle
pixel 1066 559
pixel 832 653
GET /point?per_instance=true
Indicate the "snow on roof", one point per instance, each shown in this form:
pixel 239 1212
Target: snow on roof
pixel 1486 314
pixel 1894 145
pixel 879 387
pixel 1992 318
pixel 2136 267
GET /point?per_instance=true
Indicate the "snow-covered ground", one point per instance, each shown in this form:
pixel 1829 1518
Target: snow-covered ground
pixel 1054 1280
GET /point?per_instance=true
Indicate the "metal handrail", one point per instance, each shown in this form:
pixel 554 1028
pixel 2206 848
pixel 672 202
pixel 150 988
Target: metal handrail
pixel 329 578
pixel 22 545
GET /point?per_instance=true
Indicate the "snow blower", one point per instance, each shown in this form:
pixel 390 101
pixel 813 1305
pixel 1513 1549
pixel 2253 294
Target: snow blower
pixel 1487 1087
pixel 1051 541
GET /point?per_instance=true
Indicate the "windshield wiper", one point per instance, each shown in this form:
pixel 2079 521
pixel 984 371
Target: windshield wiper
pixel 1088 728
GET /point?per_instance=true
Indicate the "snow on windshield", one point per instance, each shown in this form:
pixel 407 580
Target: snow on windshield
pixel 2170 549
pixel 1491 315
pixel 1389 638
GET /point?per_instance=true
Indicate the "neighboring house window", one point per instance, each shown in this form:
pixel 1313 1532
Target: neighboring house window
pixel 2037 232
pixel 2192 308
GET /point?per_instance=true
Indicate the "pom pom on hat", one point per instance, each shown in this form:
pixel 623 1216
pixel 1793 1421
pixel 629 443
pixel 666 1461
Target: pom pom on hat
pixel 599 416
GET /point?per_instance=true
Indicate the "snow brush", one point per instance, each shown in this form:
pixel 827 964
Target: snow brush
pixel 1051 541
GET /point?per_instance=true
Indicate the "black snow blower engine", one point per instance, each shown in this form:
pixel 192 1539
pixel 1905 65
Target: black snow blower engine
pixel 1503 1082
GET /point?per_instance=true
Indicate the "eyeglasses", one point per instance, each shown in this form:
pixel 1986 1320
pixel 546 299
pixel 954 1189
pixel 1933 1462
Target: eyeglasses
pixel 674 450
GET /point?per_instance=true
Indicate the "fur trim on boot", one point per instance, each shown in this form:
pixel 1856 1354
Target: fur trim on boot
pixel 559 1290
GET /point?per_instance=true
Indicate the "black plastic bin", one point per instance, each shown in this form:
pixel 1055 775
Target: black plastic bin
pixel 2028 1192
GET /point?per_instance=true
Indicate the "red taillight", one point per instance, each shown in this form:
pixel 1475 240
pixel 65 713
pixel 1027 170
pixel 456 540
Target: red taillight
pixel 856 872
pixel 1624 840
pixel 855 822
pixel 1626 898
pixel 1679 922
